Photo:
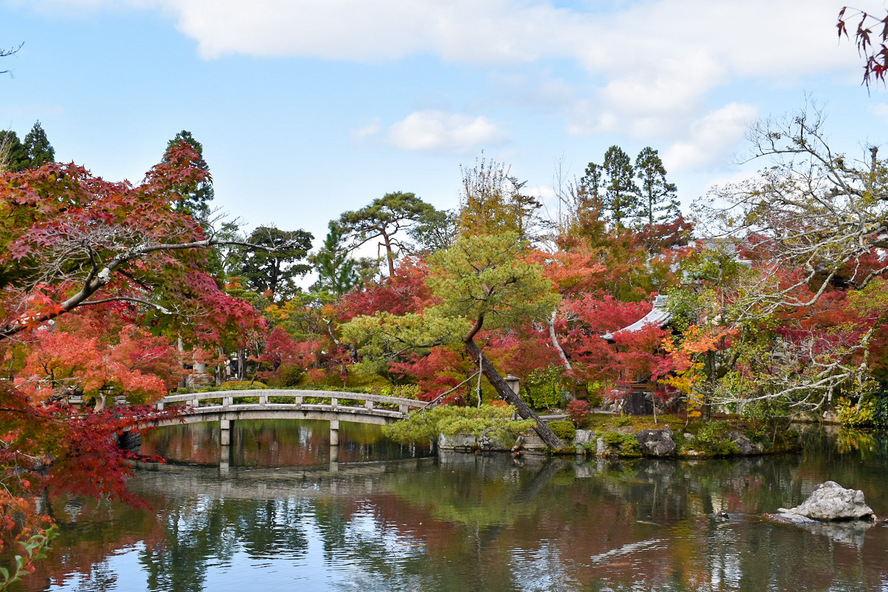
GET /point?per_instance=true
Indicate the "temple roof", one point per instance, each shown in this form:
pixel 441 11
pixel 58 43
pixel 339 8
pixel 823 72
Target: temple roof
pixel 657 316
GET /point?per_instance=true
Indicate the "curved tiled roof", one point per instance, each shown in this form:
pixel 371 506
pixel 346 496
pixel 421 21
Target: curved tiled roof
pixel 658 316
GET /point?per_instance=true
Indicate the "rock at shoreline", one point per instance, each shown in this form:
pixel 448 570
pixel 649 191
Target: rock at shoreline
pixel 656 442
pixel 828 502
pixel 744 444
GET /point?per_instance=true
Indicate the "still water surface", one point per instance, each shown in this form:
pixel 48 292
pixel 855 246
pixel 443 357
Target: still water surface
pixel 464 522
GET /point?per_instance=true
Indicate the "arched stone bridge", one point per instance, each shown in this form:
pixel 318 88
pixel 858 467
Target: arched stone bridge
pixel 332 406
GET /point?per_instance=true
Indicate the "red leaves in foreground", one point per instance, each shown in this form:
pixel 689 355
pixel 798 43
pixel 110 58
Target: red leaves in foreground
pixel 55 448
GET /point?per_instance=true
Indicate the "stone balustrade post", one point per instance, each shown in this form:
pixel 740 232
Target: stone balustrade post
pixel 225 432
pixel 334 432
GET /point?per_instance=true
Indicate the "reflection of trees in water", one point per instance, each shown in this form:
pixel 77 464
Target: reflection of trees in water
pixel 203 532
pixel 467 522
pixel 91 531
pixel 270 443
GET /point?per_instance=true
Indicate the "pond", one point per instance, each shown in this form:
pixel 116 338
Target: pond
pixel 466 522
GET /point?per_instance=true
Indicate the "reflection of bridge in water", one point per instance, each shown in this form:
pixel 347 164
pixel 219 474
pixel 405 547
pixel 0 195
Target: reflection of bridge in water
pixel 226 407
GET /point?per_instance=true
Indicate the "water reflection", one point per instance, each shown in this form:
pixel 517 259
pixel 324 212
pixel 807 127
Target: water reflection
pixel 465 522
pixel 275 443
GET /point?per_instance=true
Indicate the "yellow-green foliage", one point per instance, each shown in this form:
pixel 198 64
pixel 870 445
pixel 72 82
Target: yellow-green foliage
pixel 861 414
pixel 625 444
pixel 601 422
pixel 485 277
pixel 564 429
pixel 382 336
pixel 495 422
pixel 242 385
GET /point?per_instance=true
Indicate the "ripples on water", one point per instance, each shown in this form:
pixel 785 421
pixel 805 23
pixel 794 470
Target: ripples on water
pixel 466 522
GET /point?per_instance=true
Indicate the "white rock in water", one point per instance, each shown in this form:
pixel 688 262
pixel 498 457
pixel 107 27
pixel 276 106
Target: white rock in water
pixel 830 501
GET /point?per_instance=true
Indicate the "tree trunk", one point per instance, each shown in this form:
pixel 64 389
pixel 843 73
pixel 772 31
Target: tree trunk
pixel 502 388
pixel 389 256
pixel 553 337
pixel 241 364
pixel 709 389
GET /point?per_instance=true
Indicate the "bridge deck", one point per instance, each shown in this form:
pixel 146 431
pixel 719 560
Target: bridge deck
pixel 290 404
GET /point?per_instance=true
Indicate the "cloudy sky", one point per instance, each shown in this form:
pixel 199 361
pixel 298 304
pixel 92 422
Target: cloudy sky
pixel 308 108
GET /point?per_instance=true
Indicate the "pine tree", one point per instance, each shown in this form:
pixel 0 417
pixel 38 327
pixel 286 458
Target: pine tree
pixel 620 191
pixel 37 147
pixel 658 203
pixel 195 195
pixel 336 271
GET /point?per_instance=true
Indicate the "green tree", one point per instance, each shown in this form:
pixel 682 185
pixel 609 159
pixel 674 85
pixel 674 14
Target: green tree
pixel 493 202
pixel 37 147
pixel 620 191
pixel 484 280
pixel 384 218
pixel 337 272
pixel 435 232
pixel 13 156
pixel 590 182
pixel 274 270
pixel 658 203
pixel 196 194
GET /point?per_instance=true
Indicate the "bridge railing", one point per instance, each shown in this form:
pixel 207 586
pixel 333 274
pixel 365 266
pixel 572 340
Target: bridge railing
pixel 271 398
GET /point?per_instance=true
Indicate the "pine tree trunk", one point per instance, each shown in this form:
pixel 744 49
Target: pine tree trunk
pixel 502 388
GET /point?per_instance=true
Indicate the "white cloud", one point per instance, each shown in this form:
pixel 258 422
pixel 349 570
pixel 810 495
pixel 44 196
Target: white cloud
pixel 749 37
pixel 710 138
pixel 437 131
pixel 371 129
pixel 649 64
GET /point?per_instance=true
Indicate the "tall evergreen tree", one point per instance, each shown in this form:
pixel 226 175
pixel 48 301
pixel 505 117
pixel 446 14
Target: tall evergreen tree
pixel 620 191
pixel 658 203
pixel 590 183
pixel 196 195
pixel 37 147
pixel 275 270
pixel 337 272
pixel 384 218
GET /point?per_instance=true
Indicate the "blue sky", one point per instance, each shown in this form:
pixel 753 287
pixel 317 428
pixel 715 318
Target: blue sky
pixel 308 108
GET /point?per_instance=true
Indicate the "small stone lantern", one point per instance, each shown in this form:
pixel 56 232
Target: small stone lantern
pixel 514 383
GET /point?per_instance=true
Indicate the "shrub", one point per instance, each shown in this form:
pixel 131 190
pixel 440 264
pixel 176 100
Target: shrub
pixel 404 391
pixel 565 430
pixel 626 444
pixel 289 375
pixel 714 438
pixel 612 438
pixel 494 422
pixel 242 385
pixel 578 411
